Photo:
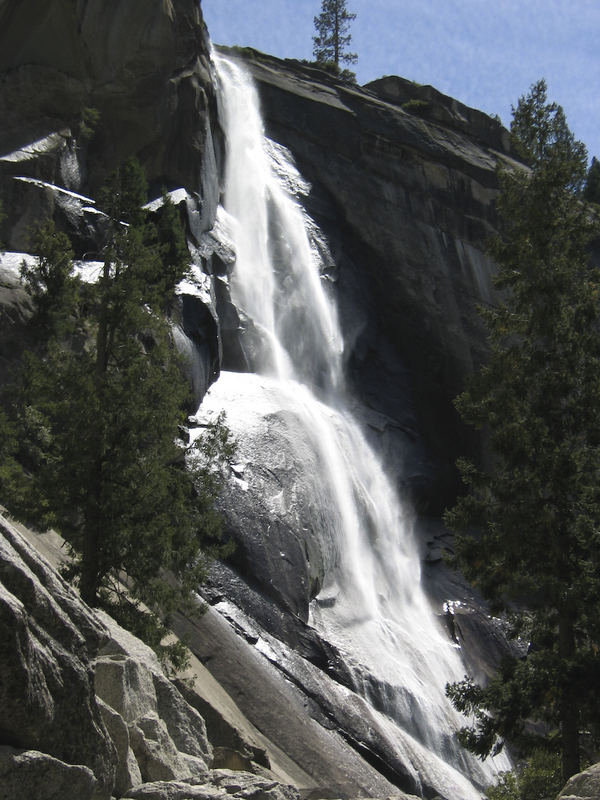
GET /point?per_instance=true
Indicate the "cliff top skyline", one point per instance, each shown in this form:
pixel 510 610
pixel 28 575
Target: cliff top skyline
pixel 485 55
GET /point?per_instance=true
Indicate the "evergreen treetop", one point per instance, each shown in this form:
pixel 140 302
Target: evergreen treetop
pixel 530 521
pixel 591 190
pixel 332 36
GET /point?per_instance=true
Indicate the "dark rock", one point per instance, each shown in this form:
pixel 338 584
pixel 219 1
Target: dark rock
pixel 28 773
pixel 202 356
pixel 413 204
pixel 144 66
pixel 434 106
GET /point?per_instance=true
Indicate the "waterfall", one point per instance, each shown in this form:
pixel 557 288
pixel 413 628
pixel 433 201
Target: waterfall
pixel 371 606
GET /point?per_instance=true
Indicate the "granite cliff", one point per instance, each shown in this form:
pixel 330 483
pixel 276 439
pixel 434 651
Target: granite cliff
pixel 404 180
pixel 401 181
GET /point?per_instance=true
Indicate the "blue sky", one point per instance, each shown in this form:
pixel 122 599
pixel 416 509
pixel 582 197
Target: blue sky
pixel 485 53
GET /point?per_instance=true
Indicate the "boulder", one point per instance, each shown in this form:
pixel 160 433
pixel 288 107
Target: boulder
pixel 139 688
pixel 216 784
pixel 156 753
pixel 151 720
pixel 29 773
pixel 128 771
pixel 584 786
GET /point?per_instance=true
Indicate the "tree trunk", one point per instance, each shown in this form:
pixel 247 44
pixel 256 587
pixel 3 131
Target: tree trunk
pixel 569 712
pixel 90 569
pixel 102 333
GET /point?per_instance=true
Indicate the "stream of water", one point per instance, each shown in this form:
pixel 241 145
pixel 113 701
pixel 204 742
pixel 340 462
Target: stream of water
pixel 372 606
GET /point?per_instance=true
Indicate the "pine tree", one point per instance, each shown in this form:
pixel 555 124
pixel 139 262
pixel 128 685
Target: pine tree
pixel 591 191
pixel 535 504
pixel 332 36
pixel 50 283
pixel 99 409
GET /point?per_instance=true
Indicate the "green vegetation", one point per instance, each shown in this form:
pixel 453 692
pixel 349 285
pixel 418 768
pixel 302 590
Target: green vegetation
pixel 539 779
pixel 333 69
pixel 416 106
pixel 90 117
pixel 92 438
pixel 591 191
pixel 529 523
pixel 332 37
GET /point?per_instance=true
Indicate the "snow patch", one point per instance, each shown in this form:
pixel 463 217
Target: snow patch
pixel 58 189
pixel 41 146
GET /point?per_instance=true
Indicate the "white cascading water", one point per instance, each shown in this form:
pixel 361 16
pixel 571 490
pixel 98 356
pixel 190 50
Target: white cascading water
pixel 372 606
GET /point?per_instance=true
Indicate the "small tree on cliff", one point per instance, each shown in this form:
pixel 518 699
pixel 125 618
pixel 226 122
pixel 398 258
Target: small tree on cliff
pixel 536 504
pixel 99 410
pixel 332 36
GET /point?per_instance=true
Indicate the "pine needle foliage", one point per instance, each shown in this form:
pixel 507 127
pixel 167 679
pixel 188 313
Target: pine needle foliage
pixel 539 779
pixel 332 36
pixel 530 521
pixel 94 422
pixel 591 191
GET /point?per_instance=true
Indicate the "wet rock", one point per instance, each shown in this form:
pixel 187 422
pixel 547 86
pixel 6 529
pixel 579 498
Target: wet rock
pixel 270 510
pixel 410 203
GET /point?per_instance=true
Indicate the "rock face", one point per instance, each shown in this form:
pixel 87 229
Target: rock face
pixel 142 67
pixel 48 642
pixel 86 708
pixel 407 199
pixel 88 712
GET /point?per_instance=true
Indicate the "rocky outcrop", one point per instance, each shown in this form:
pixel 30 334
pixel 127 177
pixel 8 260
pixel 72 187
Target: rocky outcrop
pixel 48 642
pixel 85 85
pixel 88 712
pixel 430 104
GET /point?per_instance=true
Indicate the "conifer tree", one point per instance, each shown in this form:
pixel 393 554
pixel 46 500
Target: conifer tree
pixel 591 191
pixel 530 521
pixel 332 34
pixel 99 408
